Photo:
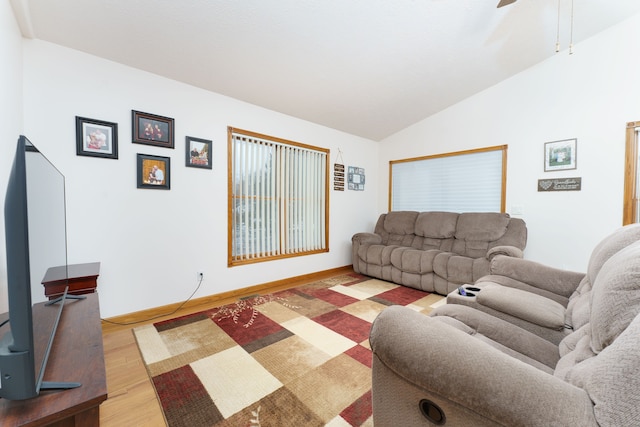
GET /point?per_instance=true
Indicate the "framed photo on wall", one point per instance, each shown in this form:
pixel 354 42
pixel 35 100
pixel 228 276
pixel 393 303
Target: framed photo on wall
pixel 560 155
pixel 151 129
pixel 198 153
pixel 355 178
pixel 96 138
pixel 154 172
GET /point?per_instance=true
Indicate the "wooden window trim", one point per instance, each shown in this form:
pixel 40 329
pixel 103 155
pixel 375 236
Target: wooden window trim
pixel 231 262
pixel 630 201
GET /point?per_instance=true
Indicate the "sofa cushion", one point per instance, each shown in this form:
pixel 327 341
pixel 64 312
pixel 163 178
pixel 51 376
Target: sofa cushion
pixel 436 225
pixel 615 297
pixel 523 305
pixel 400 222
pixel 482 226
pixel 621 238
pixel 508 337
pixel 411 260
pixel 579 308
pixel 569 343
pixel 396 228
pixel 452 321
pixel 376 254
pixel 612 380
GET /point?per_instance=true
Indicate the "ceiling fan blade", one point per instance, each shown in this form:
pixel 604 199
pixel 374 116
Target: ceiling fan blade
pixel 505 2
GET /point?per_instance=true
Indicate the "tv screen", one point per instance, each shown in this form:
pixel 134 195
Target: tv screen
pixel 35 230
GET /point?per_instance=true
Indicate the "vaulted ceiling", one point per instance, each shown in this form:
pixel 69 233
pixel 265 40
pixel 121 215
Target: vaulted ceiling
pixel 366 67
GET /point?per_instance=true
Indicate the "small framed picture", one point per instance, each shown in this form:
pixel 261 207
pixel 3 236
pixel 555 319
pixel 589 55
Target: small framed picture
pixel 154 172
pixel 560 155
pixel 96 138
pixel 355 178
pixel 198 152
pixel 151 129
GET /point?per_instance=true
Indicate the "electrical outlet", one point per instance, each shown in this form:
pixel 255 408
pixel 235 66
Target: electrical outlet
pixel 200 276
pixel 517 209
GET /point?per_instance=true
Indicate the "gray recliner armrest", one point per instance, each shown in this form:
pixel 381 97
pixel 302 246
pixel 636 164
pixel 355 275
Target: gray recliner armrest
pixel 472 383
pixel 523 305
pixel 367 238
pixel 558 281
pixel 511 251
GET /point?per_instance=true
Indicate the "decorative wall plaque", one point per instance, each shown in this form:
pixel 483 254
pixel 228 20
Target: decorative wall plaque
pixel 560 184
pixel 338 177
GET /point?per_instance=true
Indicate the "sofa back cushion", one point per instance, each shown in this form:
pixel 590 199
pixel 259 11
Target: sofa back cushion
pixel 477 230
pixel 611 379
pixel 615 303
pixel 397 227
pixel 615 297
pixel 579 308
pixel 469 234
pixel 435 230
pixel 621 238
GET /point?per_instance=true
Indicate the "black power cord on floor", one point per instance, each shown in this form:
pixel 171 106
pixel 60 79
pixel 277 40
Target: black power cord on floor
pixel 159 315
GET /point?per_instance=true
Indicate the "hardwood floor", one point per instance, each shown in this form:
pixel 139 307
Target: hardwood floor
pixel 131 398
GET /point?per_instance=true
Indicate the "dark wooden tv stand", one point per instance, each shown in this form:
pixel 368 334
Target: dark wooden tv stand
pixel 77 355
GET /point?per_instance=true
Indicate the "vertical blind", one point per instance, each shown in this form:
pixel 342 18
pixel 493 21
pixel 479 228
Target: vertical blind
pixel 467 182
pixel 278 198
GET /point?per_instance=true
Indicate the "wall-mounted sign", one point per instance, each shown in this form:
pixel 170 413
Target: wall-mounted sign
pixel 560 184
pixel 338 177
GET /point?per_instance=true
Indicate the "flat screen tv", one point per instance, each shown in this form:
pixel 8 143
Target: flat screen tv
pixel 35 231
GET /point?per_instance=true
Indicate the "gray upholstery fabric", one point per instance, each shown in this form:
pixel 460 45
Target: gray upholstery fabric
pixel 615 298
pixel 483 369
pixel 523 305
pixel 612 380
pixel 436 251
pixel 509 338
pixel 400 222
pixel 436 225
pixel 506 292
pixel 474 383
pixel 482 226
pixel 560 282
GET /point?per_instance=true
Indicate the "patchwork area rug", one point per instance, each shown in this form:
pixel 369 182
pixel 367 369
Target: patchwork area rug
pixel 298 357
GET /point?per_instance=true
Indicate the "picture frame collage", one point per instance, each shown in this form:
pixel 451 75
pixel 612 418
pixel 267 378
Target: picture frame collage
pixel 99 138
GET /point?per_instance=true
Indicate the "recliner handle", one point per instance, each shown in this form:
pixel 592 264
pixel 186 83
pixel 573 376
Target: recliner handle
pixel 432 412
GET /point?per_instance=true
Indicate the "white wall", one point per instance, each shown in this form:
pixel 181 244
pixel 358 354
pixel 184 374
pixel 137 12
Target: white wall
pixel 590 96
pixel 151 242
pixel 11 114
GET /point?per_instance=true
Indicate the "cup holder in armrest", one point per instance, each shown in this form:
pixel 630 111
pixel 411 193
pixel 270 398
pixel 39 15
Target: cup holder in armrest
pixel 468 291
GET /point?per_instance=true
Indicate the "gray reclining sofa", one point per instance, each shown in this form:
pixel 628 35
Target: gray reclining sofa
pixel 466 365
pixel 436 251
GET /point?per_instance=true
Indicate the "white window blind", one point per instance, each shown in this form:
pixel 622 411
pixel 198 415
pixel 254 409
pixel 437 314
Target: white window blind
pixel 278 198
pixel 465 182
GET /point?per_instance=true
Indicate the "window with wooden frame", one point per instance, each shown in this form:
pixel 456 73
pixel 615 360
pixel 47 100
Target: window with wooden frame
pixel 630 210
pixel 278 198
pixel 463 181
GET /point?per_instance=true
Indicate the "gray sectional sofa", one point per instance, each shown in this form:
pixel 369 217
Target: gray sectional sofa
pixel 436 251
